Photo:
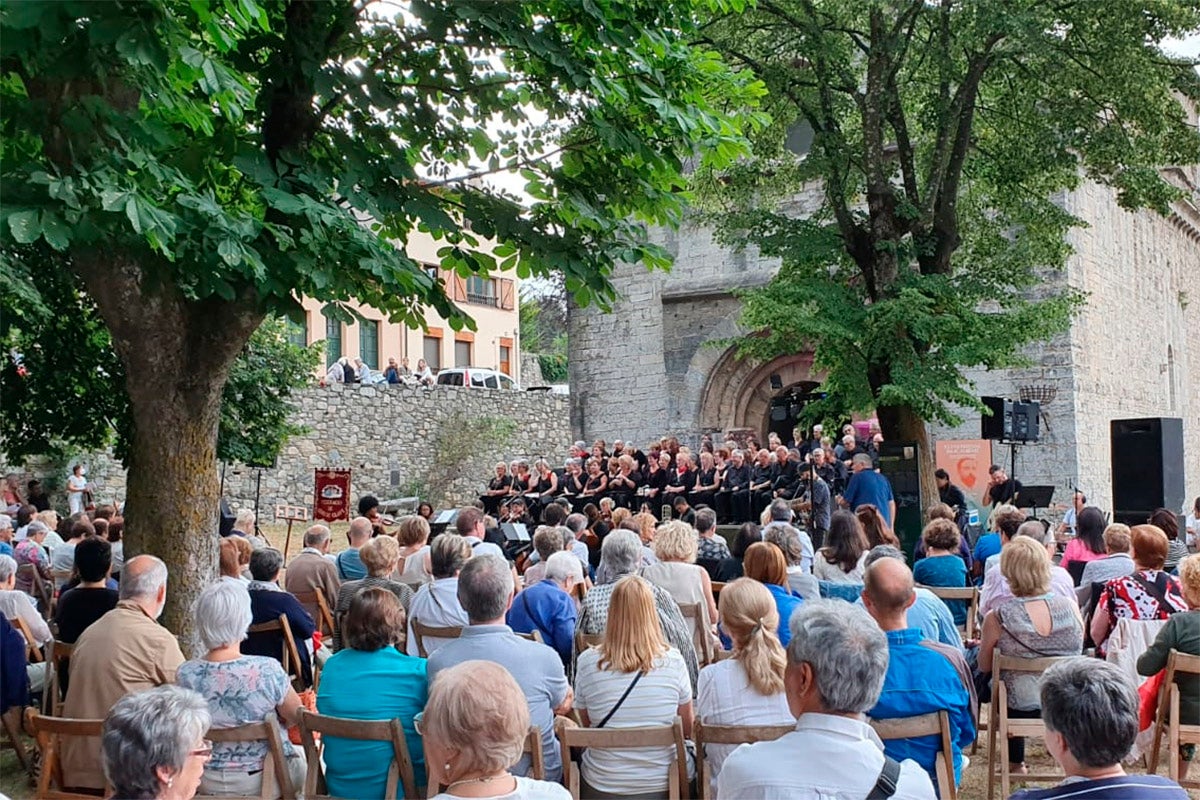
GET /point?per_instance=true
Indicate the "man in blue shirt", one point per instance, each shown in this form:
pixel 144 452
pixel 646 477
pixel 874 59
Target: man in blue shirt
pixel 349 565
pixel 868 487
pixel 547 606
pixel 919 680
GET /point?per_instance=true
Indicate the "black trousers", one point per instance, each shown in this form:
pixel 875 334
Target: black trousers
pixel 698 499
pixel 740 507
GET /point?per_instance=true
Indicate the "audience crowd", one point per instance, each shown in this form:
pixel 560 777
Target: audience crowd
pixel 615 614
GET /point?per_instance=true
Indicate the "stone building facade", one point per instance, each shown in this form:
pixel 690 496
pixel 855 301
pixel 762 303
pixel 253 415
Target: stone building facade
pixel 659 363
pixel 440 443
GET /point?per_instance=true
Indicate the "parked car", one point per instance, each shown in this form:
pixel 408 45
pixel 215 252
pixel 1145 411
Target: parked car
pixel 478 377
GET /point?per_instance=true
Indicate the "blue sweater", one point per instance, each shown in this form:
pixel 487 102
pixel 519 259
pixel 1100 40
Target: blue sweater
pixel 546 607
pixel 922 681
pixel 266 606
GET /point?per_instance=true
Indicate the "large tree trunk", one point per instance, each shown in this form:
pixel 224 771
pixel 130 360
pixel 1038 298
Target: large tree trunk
pixel 177 353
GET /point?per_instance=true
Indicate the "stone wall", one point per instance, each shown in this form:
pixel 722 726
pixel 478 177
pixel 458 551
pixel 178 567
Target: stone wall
pixel 396 439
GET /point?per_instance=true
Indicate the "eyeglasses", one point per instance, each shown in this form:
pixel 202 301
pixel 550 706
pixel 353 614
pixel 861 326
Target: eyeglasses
pixel 418 720
pixel 204 751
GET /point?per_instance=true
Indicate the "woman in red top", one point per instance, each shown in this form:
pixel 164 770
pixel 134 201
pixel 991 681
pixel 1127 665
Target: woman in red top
pixel 1147 594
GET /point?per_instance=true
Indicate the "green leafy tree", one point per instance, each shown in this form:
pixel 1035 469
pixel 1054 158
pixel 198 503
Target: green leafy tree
pixel 203 164
pixel 940 134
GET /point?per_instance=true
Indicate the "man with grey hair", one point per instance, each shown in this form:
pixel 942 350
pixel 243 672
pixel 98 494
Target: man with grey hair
pixel 929 613
pixel 868 487
pixel 712 548
pixel 124 651
pixel 311 570
pixel 996 591
pixel 1090 709
pixel 837 661
pixel 548 607
pixel 485 591
pixel 781 516
pixel 436 604
pixel 349 566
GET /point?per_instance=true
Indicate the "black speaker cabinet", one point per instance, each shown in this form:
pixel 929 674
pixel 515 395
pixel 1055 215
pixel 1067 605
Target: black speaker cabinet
pixel 1147 467
pixel 999 425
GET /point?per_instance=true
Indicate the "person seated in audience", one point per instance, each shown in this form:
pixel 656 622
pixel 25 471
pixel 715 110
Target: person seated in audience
pixel 116 538
pixel 372 657
pixel 633 679
pixel 1118 542
pixel 548 605
pixel 1032 624
pixel 919 680
pixel 1006 520
pixel 152 745
pixel 471 746
pixel 942 565
pixel 229 559
pixel 18 605
pixel 788 539
pixel 732 567
pixel 124 651
pixel 1088 544
pixel 781 516
pixel 91 599
pixel 6 535
pixel 875 526
pixel 380 556
pixel 436 604
pixel 1147 593
pixel 547 541
pixel 485 591
pixel 711 547
pixel 245 525
pixel 471 526
pixel 62 558
pixel 676 571
pixel 841 559
pixel 996 590
pixel 620 555
pixel 944 511
pixel 349 565
pixel 929 613
pixel 311 570
pixel 412 534
pixel 836 665
pixel 267 603
pixel 1182 633
pixel 1090 709
pixel 747 688
pixel 989 544
pixel 32 550
pixel 766 564
pixel 239 689
pixel 1166 521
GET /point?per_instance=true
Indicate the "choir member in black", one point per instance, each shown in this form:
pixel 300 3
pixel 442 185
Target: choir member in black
pixel 544 484
pixel 831 470
pixel 598 451
pixel 594 485
pixel 623 486
pixel 733 499
pixel 761 476
pixel 707 482
pixel 618 448
pixel 656 479
pixel 497 489
pixel 787 468
pixel 681 480
pixel 572 482
pixel 520 479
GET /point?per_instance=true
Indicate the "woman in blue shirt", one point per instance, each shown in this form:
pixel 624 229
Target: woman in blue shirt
pixel 942 565
pixel 765 563
pixel 370 679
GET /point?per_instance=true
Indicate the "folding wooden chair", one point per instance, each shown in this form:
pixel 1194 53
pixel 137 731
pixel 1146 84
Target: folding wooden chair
pixel 400 770
pixel 1001 728
pixel 49 731
pixel 32 651
pixel 933 724
pixel 52 697
pixel 537 761
pixel 1168 717
pixel 697 615
pixel 10 724
pixel 585 640
pixel 290 656
pixel 276 781
pixel 705 735
pixel 324 617
pixel 968 593
pixel 625 739
pixel 534 636
pixel 39 588
pixel 421 631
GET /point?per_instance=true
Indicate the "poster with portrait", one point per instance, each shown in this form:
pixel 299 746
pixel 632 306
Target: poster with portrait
pixel 967 462
pixel 331 494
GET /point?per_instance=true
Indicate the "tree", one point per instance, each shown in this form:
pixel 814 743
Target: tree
pixel 203 164
pixel 544 327
pixel 941 133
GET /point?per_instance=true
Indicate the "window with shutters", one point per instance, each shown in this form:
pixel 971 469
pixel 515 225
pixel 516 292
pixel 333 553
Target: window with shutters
pixel 481 290
pixel 333 337
pixel 368 342
pixel 462 354
pixel 433 352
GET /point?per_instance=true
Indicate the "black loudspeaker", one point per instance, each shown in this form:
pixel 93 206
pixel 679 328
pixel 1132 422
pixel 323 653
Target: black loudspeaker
pixel 1009 421
pixel 1147 467
pixel 1025 421
pixel 226 518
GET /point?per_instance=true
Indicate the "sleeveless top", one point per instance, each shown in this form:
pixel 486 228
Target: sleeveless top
pixel 682 582
pixel 1020 639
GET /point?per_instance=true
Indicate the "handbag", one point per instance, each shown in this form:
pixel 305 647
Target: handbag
pixel 621 701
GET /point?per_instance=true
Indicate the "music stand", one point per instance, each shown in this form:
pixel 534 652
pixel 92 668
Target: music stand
pixel 1035 497
pixel 515 532
pixel 291 514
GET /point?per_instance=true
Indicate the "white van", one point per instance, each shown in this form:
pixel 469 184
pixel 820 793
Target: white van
pixel 477 377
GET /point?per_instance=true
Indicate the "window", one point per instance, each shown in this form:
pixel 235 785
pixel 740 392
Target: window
pixel 506 359
pixel 507 382
pixel 333 338
pixel 368 343
pixel 481 290
pixel 492 382
pixel 433 352
pixel 297 332
pixel 462 354
pixel 432 272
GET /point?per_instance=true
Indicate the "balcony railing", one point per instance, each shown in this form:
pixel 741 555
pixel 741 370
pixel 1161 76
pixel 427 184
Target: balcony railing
pixel 483 299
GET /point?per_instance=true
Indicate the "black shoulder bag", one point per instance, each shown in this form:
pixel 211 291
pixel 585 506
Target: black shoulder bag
pixel 889 779
pixel 620 702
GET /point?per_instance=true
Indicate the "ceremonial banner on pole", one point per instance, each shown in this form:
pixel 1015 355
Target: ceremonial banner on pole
pixel 331 494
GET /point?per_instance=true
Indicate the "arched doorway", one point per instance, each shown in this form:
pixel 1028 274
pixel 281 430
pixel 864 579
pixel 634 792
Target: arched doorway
pixel 745 393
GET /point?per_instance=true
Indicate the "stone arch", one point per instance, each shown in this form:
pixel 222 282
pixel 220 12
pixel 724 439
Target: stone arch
pixel 738 391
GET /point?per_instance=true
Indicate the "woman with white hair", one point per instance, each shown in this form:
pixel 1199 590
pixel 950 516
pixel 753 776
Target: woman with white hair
pixel 473 737
pixel 675 545
pixel 153 744
pixel 239 689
